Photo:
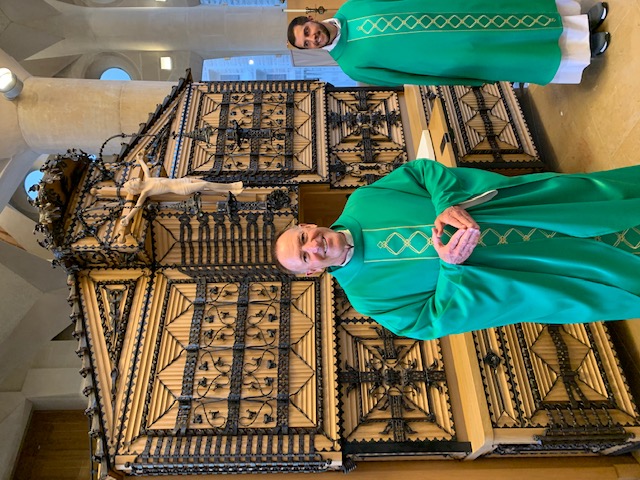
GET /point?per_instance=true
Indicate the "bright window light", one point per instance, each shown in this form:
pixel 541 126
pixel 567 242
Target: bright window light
pixel 33 178
pixel 166 63
pixel 10 85
pixel 115 74
pixel 6 80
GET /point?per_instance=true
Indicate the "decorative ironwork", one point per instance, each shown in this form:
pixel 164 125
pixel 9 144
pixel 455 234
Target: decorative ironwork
pixel 241 370
pixel 277 200
pixel 487 126
pixel 394 389
pixel 244 131
pixel 61 175
pixel 364 135
pixel 116 303
pixel 159 116
pixel 220 454
pixel 552 377
pixel 397 375
pixel 428 94
pixel 224 232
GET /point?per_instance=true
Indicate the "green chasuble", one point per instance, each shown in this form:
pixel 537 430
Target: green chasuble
pixel 554 248
pixel 448 42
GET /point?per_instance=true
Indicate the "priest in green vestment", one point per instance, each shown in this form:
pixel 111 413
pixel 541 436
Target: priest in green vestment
pixel 456 42
pixel 429 251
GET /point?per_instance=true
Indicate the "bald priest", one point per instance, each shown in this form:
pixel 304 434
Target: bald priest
pixel 429 251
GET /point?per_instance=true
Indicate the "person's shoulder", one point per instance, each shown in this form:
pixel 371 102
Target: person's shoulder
pixel 348 3
pixel 362 191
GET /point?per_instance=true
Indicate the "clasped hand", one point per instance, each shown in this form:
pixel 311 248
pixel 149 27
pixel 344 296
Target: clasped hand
pixel 462 243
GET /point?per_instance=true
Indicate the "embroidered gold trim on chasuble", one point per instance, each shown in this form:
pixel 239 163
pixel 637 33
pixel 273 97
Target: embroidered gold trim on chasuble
pixel 399 24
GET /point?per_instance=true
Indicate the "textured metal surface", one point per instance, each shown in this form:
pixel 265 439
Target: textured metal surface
pixel 365 136
pixel 487 127
pixel 251 131
pixel 394 392
pixel 557 378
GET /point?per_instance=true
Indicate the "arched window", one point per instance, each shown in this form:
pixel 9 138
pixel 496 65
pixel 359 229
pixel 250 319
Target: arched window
pixel 33 178
pixel 115 74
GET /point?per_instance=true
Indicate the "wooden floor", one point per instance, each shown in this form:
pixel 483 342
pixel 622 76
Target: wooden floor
pixel 596 125
pixel 56 446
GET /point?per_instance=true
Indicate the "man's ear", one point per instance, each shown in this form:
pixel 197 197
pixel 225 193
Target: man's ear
pixel 314 271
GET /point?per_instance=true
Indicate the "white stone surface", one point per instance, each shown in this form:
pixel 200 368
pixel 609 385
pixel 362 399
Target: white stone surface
pixel 15 412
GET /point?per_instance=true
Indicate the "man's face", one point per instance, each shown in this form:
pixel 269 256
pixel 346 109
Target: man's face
pixel 309 249
pixel 311 35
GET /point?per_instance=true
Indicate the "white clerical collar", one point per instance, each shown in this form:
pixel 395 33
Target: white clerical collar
pixel 331 46
pixel 349 238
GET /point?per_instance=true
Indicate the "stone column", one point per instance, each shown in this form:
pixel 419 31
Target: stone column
pixel 54 114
